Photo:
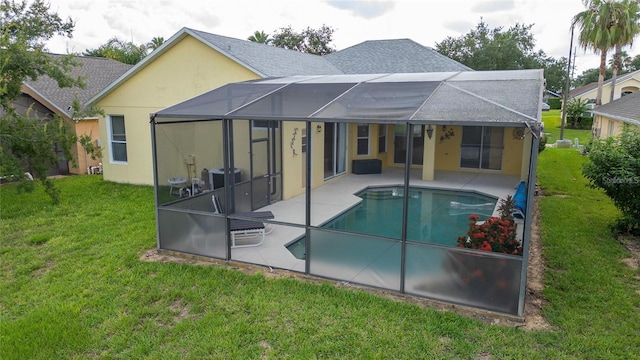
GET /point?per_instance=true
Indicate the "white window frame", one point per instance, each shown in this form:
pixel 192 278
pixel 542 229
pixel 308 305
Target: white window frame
pixel 112 141
pixel 367 138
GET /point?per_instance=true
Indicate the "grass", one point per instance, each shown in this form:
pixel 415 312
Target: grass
pixel 552 119
pixel 72 287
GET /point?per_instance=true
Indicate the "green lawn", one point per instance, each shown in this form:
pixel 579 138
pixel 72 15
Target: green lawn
pixel 552 119
pixel 72 287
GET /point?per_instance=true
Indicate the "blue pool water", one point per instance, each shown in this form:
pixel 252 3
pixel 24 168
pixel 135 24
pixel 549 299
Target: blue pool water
pixel 435 216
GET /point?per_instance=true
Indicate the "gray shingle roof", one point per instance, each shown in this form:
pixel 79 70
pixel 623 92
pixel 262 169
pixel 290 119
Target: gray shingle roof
pixel 97 74
pixel 626 109
pixel 269 60
pixel 376 56
pixel 392 56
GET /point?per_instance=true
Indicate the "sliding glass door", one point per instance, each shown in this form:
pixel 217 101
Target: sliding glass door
pixel 401 141
pixel 335 149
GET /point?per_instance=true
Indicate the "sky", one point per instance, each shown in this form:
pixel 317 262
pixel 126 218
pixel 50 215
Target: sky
pixel 424 21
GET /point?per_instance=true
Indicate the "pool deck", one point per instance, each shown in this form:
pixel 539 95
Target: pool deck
pixel 337 196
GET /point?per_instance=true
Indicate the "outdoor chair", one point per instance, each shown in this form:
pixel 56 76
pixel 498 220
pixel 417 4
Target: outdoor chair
pixel 241 229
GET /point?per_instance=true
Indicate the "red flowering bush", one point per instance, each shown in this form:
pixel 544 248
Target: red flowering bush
pixel 497 234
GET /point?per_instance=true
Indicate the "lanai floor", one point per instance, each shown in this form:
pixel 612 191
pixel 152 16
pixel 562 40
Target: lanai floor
pixel 337 196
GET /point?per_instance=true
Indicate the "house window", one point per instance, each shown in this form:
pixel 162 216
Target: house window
pixel 482 147
pixel 117 138
pixel 363 139
pixel 382 138
pixel 612 127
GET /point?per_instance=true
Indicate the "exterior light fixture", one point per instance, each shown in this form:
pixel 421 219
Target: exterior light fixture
pixel 429 131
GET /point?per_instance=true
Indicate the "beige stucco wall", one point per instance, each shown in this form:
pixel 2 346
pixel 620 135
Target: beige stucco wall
pixel 607 127
pixel 85 127
pixel 188 69
pixel 447 152
pixel 293 159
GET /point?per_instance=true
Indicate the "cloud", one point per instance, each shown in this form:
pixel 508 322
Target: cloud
pixel 459 26
pixel 366 9
pixel 493 6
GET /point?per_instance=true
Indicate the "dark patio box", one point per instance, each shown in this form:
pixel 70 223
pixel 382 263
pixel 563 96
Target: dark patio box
pixel 368 166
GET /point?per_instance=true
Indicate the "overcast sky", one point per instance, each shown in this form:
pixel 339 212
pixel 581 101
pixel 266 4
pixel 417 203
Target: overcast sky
pixel 424 21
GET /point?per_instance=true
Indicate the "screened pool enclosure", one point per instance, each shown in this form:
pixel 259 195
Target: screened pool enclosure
pixel 250 170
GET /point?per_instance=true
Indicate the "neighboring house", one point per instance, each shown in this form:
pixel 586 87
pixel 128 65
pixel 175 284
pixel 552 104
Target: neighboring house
pixel 611 119
pixel 192 62
pixel 44 98
pixel 301 148
pixel 625 84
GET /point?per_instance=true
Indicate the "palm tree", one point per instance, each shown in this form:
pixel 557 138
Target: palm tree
pixel 155 43
pixel 259 37
pixel 595 33
pixel 625 62
pixel 626 27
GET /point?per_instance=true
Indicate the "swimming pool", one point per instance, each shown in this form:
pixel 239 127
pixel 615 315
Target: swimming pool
pixel 435 216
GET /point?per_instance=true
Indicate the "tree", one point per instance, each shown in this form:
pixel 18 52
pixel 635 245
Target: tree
pixel 625 28
pixel 260 37
pixel 123 51
pixel 155 43
pixel 614 166
pixel 484 48
pixel 555 73
pixel 625 63
pixel 634 64
pixel 575 110
pixel 595 25
pixel 591 75
pixel 28 143
pixel 312 41
pixel 494 49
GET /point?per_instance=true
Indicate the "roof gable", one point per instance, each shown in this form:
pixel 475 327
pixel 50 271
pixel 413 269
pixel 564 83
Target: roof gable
pixel 392 56
pixel 267 60
pixel 263 60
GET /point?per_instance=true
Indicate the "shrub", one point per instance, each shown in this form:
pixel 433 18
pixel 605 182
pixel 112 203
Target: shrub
pixel 543 143
pixel 554 103
pixel 497 234
pixel 614 166
pixel 585 122
pixel 575 109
